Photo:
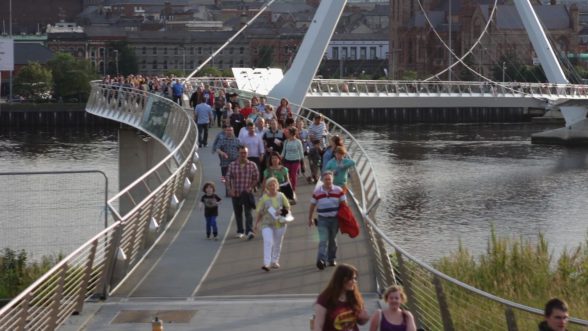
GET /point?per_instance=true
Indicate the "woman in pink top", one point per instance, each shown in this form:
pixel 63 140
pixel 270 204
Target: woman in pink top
pixel 393 318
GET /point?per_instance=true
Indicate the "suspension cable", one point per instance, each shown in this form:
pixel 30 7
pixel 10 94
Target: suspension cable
pixel 459 60
pixel 266 6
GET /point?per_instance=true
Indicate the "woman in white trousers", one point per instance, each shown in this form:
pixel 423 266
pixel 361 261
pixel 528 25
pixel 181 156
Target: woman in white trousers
pixel 271 209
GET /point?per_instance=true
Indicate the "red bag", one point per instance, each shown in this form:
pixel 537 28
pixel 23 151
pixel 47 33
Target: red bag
pixel 347 222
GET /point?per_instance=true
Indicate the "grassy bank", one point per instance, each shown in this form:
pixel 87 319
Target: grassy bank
pixel 16 272
pixel 523 271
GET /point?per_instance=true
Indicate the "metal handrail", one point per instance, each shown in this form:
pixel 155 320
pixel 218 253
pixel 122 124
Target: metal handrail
pixel 386 274
pixel 97 265
pixel 321 87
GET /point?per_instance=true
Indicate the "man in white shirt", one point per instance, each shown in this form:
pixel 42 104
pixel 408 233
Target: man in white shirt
pixel 254 144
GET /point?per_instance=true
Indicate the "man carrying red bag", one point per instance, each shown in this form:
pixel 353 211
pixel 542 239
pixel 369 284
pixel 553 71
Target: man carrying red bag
pixel 326 200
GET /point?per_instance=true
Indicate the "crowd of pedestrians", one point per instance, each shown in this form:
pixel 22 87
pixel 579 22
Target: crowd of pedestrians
pixel 262 152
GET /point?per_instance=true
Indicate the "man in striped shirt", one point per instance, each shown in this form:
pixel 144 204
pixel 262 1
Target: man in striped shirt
pixel 326 200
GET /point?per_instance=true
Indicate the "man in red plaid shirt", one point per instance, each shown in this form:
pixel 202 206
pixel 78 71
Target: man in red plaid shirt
pixel 242 176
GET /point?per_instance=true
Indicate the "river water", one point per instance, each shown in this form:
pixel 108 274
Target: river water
pixel 52 214
pixel 440 184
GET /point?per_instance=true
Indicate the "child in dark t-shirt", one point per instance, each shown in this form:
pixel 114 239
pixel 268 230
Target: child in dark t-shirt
pixel 210 202
pixel 315 156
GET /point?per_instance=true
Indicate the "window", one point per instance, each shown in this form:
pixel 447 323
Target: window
pixel 144 50
pixel 101 51
pixel 176 51
pixel 373 53
pixel 344 52
pixel 165 64
pixel 353 53
pixel 362 53
pixel 165 51
pixel 191 50
pixel 231 50
pixel 155 51
pixel 199 50
pixel 241 50
pixel 335 53
pixel 154 64
pixel 241 64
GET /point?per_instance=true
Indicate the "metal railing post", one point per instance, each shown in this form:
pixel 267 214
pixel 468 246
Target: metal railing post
pixel 110 261
pixel 407 284
pixel 57 296
pixel 87 274
pixel 511 320
pixel 443 306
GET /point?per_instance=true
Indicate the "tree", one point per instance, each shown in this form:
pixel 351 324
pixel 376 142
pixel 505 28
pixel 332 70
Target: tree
pixel 34 82
pixel 209 71
pixel 265 58
pixel 71 77
pixel 409 75
pixel 127 60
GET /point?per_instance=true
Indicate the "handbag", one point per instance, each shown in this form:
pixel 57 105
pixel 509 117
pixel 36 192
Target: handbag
pixel 286 188
pixel 285 213
pixel 347 222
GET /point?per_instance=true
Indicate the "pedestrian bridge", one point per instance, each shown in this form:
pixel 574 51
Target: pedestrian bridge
pixel 352 94
pixel 153 259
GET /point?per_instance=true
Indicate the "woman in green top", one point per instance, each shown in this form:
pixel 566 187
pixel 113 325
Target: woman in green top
pixel 340 166
pixel 272 206
pixel 278 171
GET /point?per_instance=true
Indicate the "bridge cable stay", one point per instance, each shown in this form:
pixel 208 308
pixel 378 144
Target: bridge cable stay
pixel 461 59
pixel 516 67
pixel 223 46
pixel 562 57
pixel 511 63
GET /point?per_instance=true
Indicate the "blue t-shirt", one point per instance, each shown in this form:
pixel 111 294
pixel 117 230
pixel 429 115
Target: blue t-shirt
pixel 203 113
pixel 178 89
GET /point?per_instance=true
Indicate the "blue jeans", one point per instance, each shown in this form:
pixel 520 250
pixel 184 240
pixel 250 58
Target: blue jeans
pixel 327 229
pixel 211 226
pixel 239 207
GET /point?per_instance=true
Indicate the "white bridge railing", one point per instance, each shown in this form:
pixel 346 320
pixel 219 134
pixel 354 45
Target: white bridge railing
pixel 96 267
pixel 393 88
pixel 438 301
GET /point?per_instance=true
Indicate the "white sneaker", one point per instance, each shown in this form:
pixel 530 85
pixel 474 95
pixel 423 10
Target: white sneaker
pixel 275 265
pixel 239 236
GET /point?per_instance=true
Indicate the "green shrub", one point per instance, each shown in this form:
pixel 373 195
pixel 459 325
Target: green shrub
pixel 16 272
pixel 524 272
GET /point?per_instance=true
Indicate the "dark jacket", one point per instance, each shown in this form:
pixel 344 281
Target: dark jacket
pixel 544 327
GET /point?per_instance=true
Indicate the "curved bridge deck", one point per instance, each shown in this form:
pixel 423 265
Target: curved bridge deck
pixel 218 285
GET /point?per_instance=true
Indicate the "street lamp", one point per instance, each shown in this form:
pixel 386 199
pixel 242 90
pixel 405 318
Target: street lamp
pixel 184 61
pixel 503 70
pixel 116 60
pixel 10 33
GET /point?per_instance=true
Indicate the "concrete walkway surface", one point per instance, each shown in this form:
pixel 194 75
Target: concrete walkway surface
pixel 200 284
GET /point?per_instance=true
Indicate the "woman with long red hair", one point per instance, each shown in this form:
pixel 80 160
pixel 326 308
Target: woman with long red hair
pixel 340 305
